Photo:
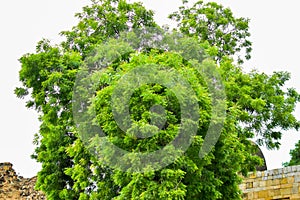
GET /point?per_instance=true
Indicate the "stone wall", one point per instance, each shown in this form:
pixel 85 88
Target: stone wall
pixel 16 187
pixel 277 184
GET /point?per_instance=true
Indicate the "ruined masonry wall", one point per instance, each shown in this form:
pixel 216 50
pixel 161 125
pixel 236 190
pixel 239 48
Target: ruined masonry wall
pixel 277 184
pixel 16 187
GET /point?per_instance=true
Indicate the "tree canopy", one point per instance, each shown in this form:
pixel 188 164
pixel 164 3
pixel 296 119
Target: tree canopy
pixel 107 46
pixel 295 156
pixel 213 23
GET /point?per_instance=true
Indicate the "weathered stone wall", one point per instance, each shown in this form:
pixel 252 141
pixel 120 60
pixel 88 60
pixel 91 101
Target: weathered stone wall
pixel 16 187
pixel 277 184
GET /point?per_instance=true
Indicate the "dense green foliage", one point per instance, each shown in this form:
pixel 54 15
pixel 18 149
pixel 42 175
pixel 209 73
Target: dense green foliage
pixel 256 104
pixel 213 23
pixel 295 156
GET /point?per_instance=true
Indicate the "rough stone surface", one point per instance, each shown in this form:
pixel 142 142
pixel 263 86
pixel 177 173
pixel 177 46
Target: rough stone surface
pixel 16 187
pixel 277 184
pixel 261 155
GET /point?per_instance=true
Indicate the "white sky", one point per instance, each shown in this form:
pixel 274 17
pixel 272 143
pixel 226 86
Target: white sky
pixel 274 27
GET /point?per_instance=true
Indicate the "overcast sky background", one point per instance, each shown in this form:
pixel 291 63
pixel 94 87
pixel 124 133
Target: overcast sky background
pixel 275 35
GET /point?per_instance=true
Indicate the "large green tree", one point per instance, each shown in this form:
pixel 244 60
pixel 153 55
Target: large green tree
pixel 256 105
